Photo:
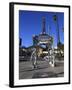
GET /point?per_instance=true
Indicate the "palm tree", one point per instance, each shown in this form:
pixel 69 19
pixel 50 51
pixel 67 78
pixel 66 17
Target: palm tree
pixel 55 18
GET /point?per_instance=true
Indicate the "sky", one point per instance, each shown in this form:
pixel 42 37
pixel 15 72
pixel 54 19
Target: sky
pixel 30 23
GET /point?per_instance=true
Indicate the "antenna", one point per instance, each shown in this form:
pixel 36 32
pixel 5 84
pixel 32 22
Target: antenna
pixel 43 25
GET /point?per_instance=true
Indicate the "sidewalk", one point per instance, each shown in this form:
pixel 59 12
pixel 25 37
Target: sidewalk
pixel 43 70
